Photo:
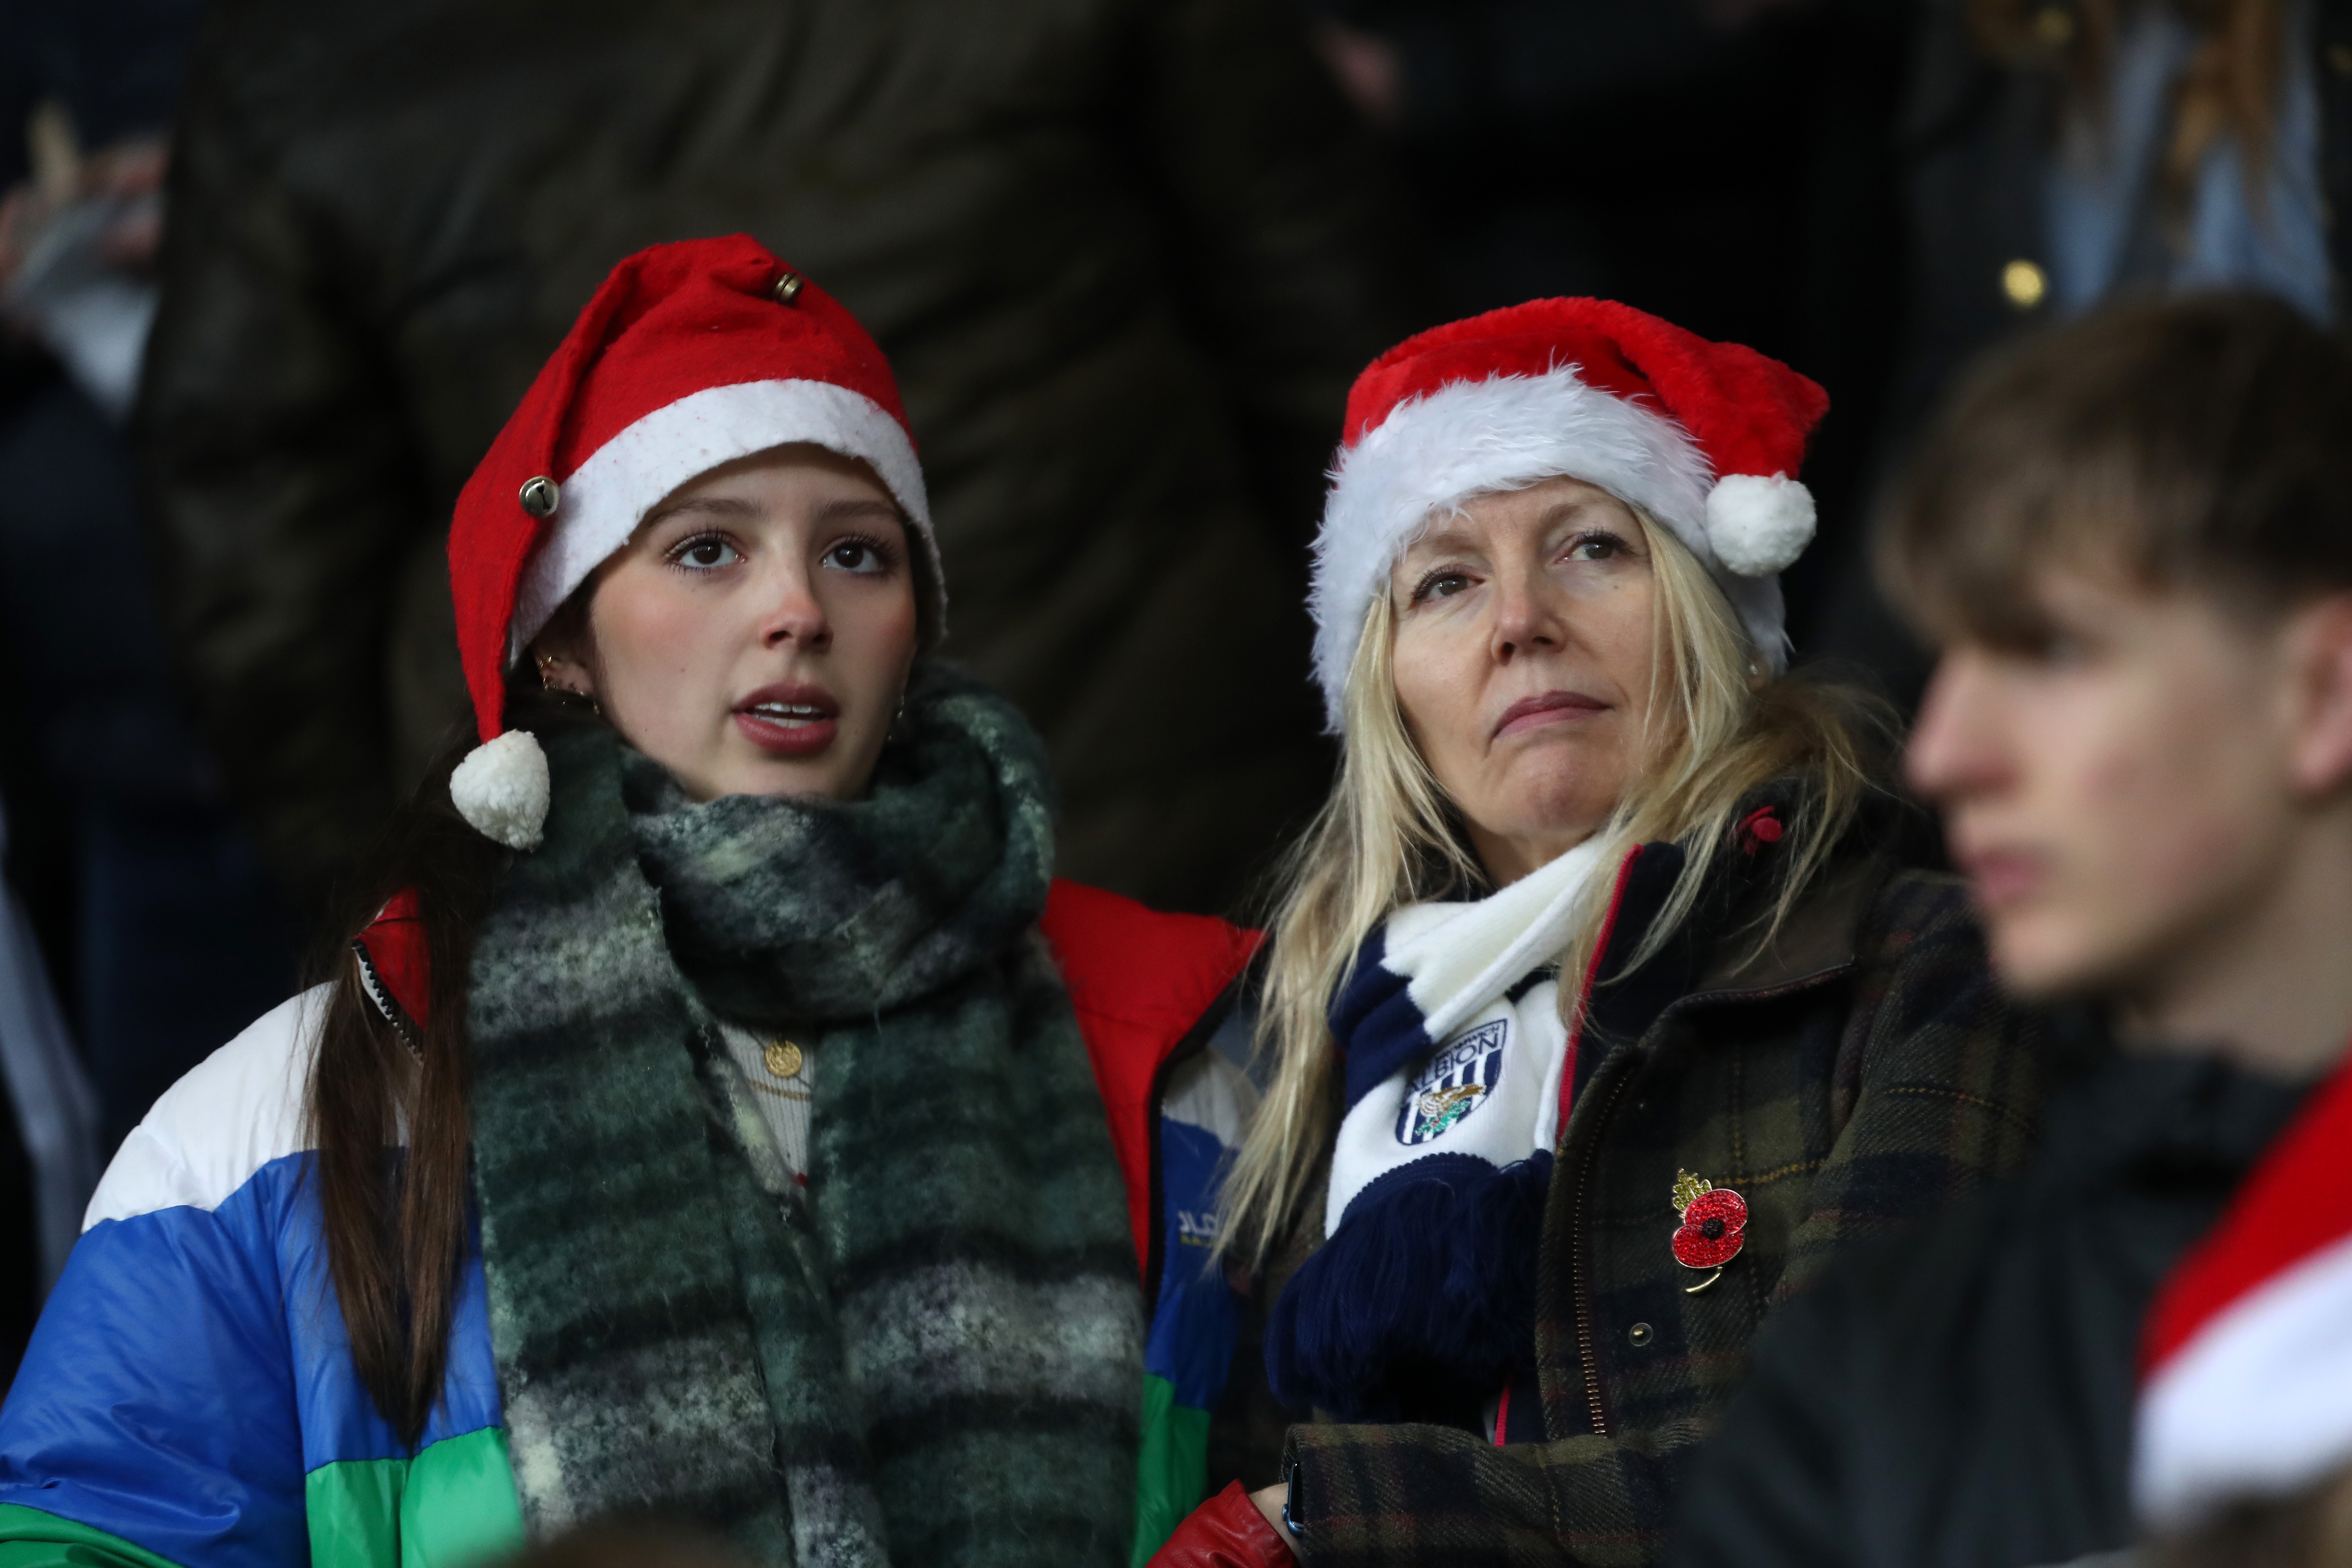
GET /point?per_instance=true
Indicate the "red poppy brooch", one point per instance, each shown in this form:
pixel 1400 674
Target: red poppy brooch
pixel 1715 1220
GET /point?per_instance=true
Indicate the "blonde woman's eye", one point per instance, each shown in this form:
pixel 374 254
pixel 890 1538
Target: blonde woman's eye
pixel 1596 547
pixel 706 553
pixel 1439 584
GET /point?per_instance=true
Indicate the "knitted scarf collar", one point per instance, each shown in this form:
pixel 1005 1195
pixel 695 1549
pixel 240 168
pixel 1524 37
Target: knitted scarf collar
pixel 934 1357
pixel 1450 1024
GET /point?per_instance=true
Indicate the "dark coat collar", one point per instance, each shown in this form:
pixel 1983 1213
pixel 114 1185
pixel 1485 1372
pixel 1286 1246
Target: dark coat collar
pixel 1718 954
pixel 2135 1115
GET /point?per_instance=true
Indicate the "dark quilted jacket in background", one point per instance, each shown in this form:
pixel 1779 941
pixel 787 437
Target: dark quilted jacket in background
pixel 1121 254
pixel 1857 1075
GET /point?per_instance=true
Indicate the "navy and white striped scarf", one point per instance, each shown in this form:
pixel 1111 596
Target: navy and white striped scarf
pixel 1451 1027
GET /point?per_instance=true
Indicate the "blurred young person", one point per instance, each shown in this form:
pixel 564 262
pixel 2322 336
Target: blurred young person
pixel 1596 1019
pixel 701 1128
pixel 2133 540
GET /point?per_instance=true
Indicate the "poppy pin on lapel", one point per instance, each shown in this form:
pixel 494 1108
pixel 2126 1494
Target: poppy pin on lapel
pixel 1713 1221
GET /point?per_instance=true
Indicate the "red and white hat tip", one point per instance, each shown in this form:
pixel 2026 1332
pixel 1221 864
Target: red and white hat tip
pixel 1705 438
pixel 690 355
pixel 2246 1391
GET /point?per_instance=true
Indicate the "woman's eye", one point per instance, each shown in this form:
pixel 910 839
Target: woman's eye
pixel 708 554
pixel 1596 547
pixel 1439 586
pixel 856 555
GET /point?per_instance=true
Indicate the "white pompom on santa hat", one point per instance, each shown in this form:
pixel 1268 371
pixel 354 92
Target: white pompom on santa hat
pixel 2246 1394
pixel 1705 438
pixel 690 355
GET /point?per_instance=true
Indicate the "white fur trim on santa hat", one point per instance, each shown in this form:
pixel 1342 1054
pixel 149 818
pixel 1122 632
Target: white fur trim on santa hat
pixel 2259 1403
pixel 1436 452
pixel 1758 524
pixel 501 788
pixel 606 497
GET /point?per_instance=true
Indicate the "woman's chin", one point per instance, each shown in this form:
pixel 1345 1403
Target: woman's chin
pixel 1552 797
pixel 836 771
pixel 826 760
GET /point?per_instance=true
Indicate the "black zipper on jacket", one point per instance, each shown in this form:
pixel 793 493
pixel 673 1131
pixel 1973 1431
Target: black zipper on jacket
pixel 1582 1264
pixel 1580 1274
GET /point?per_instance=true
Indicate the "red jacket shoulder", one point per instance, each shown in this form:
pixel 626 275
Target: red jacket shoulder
pixel 1139 981
pixel 392 962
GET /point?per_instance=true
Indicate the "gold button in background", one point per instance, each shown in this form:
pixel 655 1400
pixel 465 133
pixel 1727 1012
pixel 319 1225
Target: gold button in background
pixel 2053 26
pixel 2339 58
pixel 2024 283
pixel 782 1057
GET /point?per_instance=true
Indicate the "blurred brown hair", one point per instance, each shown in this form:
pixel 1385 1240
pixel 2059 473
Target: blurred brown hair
pixel 2202 443
pixel 2230 88
pixel 2310 1530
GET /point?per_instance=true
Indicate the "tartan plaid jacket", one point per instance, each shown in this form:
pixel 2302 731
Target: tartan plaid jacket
pixel 1857 1074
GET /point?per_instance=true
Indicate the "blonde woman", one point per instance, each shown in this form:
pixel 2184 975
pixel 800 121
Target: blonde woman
pixel 1596 1015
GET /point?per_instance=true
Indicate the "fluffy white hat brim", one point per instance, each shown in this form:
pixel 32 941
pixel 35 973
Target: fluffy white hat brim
pixel 603 500
pixel 2259 1404
pixel 1432 454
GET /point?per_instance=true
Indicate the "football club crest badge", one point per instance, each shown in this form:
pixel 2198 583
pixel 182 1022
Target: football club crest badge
pixel 1714 1223
pixel 1453 1083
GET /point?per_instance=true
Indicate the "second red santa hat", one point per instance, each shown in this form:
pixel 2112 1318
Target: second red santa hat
pixel 2247 1352
pixel 1705 438
pixel 689 356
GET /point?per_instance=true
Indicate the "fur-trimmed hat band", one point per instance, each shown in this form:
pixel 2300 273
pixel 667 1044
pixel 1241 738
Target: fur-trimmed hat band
pixel 1704 438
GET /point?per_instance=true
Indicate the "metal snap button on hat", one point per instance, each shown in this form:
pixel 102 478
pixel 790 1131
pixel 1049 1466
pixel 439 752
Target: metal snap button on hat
pixel 788 287
pixel 540 497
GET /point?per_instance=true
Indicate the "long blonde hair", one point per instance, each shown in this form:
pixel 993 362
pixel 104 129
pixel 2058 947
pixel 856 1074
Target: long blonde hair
pixel 1388 836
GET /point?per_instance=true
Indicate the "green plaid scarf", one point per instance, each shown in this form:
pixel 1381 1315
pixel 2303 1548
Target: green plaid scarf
pixel 933 1357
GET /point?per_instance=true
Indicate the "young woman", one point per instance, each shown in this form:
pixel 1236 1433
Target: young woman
pixel 1596 1017
pixel 701 1128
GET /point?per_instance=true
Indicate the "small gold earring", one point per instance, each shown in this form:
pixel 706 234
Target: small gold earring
pixel 547 663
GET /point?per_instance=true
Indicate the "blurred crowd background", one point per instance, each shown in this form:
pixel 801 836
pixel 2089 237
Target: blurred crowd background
pixel 271 277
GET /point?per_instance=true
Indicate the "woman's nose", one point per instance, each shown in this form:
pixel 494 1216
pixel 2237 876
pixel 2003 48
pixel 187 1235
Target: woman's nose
pixel 1525 616
pixel 796 614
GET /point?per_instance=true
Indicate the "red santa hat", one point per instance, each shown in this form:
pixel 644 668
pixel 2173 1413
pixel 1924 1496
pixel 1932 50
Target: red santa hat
pixel 690 355
pixel 1705 438
pixel 2247 1353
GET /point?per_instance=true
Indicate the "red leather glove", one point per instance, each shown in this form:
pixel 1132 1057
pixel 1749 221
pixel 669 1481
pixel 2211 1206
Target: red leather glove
pixel 1226 1531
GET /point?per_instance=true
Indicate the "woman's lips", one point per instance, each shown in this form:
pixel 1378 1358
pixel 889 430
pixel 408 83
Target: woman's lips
pixel 1552 708
pixel 789 720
